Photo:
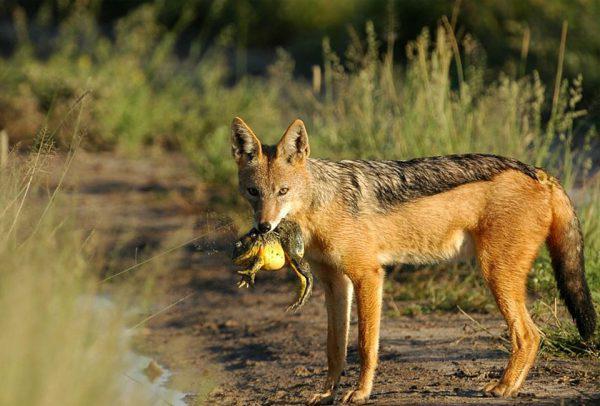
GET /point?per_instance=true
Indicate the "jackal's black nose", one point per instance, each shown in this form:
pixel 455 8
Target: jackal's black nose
pixel 264 227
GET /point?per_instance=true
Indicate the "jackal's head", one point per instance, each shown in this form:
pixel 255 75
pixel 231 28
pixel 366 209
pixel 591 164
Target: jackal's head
pixel 274 179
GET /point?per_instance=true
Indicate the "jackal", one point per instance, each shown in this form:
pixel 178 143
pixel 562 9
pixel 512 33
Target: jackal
pixel 358 216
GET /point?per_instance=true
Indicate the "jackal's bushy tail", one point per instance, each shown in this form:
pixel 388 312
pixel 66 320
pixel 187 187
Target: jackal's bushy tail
pixel 565 243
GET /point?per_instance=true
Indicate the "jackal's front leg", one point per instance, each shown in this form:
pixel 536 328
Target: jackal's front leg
pixel 338 298
pixel 368 285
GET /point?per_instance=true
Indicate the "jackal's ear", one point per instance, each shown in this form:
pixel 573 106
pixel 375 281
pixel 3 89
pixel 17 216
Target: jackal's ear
pixel 245 146
pixel 293 146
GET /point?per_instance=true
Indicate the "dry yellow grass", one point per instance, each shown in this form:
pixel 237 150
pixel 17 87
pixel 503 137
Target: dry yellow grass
pixel 60 343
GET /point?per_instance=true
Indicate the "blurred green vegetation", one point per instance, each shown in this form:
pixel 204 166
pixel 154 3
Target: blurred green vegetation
pixel 174 74
pixel 258 27
pixel 61 343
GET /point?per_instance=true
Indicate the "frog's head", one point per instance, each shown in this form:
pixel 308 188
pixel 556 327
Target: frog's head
pixel 247 247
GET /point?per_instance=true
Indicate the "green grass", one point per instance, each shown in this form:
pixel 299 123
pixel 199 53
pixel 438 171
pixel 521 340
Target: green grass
pixel 359 105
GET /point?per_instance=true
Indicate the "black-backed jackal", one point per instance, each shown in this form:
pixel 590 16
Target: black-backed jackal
pixel 358 216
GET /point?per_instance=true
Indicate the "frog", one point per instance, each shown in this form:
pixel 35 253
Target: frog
pixel 271 252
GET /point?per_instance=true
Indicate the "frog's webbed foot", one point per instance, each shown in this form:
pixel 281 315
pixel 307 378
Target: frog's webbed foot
pixel 248 275
pixel 302 270
pixel 246 280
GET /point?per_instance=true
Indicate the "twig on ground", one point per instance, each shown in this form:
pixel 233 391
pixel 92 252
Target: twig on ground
pixel 164 309
pixel 553 311
pixel 485 329
pixel 394 305
pixel 165 252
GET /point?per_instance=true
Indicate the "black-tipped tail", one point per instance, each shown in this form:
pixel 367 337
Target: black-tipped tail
pixel 565 243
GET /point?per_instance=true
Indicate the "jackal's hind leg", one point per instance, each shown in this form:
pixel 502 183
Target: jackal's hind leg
pixel 507 282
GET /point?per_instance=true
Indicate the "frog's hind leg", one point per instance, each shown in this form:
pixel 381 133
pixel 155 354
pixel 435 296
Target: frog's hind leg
pixel 290 237
pixel 302 270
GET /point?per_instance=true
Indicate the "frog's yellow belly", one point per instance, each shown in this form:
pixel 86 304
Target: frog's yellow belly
pixel 273 256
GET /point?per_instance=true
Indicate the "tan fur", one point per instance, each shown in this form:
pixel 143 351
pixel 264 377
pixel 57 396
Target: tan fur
pixel 507 218
pixel 503 222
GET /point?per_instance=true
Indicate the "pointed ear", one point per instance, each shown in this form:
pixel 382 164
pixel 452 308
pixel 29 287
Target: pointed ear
pixel 293 146
pixel 245 146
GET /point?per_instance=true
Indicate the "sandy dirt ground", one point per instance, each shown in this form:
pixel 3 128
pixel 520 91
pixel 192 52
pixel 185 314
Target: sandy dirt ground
pixel 239 347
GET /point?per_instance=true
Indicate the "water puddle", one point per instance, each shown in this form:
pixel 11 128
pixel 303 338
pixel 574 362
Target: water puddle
pixel 143 373
pixel 153 377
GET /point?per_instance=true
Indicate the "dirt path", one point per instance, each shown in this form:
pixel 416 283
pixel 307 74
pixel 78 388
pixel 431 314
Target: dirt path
pixel 242 347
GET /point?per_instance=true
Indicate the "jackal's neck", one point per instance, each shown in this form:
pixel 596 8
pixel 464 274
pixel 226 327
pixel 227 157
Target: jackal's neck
pixel 320 189
pixel 319 195
pixel 323 183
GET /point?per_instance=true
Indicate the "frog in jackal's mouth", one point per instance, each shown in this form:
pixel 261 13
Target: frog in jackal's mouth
pixel 271 252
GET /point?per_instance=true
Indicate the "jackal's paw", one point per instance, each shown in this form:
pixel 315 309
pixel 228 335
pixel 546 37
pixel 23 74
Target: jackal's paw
pixel 500 389
pixel 322 399
pixel 358 396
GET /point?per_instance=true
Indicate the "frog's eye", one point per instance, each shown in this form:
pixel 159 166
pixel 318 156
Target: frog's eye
pixel 238 244
pixel 252 191
pixel 283 191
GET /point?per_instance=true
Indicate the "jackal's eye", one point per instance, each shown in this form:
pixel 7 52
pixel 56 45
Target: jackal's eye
pixel 252 191
pixel 283 191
